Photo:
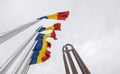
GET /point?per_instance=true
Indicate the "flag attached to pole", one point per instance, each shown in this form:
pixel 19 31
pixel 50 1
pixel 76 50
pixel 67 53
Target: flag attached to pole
pixel 56 26
pixel 56 16
pixel 40 51
pixel 41 38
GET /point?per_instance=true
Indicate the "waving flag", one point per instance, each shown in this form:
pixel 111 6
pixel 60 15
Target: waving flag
pixel 59 16
pixel 41 53
pixel 56 16
pixel 41 38
pixel 56 26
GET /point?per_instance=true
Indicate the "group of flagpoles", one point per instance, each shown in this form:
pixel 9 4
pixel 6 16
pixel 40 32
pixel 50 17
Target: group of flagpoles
pixel 23 66
pixel 5 67
pixel 27 64
pixel 10 61
pixel 20 65
pixel 15 31
pixel 9 34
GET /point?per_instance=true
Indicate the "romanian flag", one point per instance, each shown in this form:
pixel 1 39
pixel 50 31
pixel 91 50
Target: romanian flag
pixel 42 38
pixel 40 50
pixel 45 45
pixel 42 53
pixel 56 26
pixel 56 16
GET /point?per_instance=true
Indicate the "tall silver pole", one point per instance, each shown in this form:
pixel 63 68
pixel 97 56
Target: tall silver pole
pixel 27 66
pixel 10 61
pixel 15 31
pixel 24 64
pixel 21 65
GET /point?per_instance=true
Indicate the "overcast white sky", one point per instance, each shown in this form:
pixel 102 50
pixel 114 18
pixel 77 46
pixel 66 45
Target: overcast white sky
pixel 93 28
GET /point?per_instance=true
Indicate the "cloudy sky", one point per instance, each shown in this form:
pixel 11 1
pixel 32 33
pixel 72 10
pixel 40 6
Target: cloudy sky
pixel 93 28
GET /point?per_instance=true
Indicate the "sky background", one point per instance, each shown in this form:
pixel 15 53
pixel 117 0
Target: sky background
pixel 93 28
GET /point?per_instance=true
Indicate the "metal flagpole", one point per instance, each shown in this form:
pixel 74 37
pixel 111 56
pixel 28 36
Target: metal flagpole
pixel 21 65
pixel 27 64
pixel 10 61
pixel 24 64
pixel 15 31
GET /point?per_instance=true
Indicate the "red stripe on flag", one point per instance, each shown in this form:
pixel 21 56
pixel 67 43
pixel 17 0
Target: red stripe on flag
pixel 57 26
pixel 53 35
pixel 62 15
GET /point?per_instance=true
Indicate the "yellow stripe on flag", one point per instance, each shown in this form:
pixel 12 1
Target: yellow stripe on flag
pixel 43 49
pixel 49 28
pixel 53 16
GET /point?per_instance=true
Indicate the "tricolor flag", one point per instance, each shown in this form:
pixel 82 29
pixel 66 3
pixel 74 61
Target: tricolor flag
pixel 40 51
pixel 56 26
pixel 41 38
pixel 56 16
pixel 38 56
